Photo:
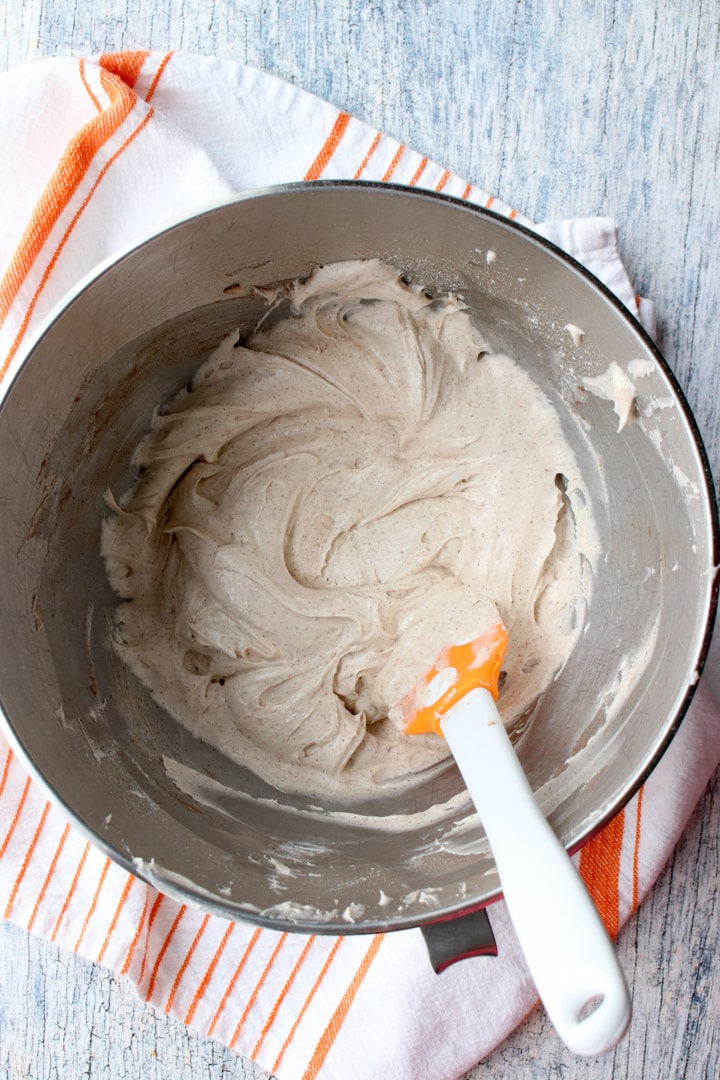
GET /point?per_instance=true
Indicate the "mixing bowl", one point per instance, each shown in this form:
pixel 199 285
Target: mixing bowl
pixel 170 808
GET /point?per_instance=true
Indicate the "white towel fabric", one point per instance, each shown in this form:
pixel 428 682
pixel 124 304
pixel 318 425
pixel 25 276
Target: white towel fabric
pixel 99 153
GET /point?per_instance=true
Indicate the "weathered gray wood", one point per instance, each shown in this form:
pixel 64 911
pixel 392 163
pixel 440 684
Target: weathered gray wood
pixel 62 1017
pixel 563 108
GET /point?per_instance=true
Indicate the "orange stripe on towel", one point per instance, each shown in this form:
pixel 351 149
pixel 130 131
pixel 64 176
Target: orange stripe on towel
pixel 393 164
pixel 126 65
pixel 306 1003
pixel 6 769
pixel 151 919
pixel 158 75
pixel 51 265
pixel 258 987
pixel 418 172
pixel 281 996
pixel 636 851
pixel 329 147
pixel 120 905
pixel 136 936
pixel 600 870
pixel 184 966
pixel 163 949
pixel 16 818
pixel 86 84
pixel 93 904
pixel 26 861
pixel 442 181
pixel 49 875
pixel 71 890
pixel 366 159
pixel 66 179
pixel 208 974
pixel 236 974
pixel 333 1029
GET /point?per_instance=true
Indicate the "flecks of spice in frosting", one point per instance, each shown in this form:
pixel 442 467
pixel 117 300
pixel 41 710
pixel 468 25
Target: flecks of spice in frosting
pixel 325 508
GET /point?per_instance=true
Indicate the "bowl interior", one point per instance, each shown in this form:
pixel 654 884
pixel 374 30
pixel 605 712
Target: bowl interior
pixel 167 805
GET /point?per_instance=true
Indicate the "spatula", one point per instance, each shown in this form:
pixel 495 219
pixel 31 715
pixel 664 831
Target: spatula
pixel 567 949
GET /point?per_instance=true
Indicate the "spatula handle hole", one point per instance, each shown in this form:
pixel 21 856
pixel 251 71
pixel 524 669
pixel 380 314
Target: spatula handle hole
pixel 591 1006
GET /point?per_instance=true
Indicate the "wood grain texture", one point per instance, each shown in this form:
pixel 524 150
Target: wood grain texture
pixel 562 107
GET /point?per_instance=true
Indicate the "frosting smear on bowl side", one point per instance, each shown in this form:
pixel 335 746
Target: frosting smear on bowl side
pixel 328 505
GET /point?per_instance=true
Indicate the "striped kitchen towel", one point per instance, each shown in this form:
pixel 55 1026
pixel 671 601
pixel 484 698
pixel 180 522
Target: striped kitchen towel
pixel 99 153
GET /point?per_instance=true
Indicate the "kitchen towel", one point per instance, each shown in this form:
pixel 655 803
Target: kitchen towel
pixel 98 153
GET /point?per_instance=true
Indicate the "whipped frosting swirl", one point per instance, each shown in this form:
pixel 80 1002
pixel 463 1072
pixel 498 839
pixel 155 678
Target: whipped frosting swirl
pixel 327 505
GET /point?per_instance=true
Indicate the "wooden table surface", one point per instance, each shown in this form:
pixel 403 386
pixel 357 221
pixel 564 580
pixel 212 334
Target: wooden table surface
pixel 564 108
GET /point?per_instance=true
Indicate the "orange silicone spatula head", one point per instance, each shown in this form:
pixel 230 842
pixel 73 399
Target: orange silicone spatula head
pixel 459 669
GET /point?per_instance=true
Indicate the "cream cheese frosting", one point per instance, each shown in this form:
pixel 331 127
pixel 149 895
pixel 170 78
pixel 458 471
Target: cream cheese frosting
pixel 328 504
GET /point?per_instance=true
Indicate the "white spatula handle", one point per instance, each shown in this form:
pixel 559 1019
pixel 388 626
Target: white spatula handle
pixel 567 949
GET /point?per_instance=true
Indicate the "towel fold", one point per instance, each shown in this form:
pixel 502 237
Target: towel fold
pixel 98 154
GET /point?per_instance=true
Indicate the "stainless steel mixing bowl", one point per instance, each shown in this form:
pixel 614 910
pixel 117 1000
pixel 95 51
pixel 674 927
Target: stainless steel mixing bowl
pixel 126 341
